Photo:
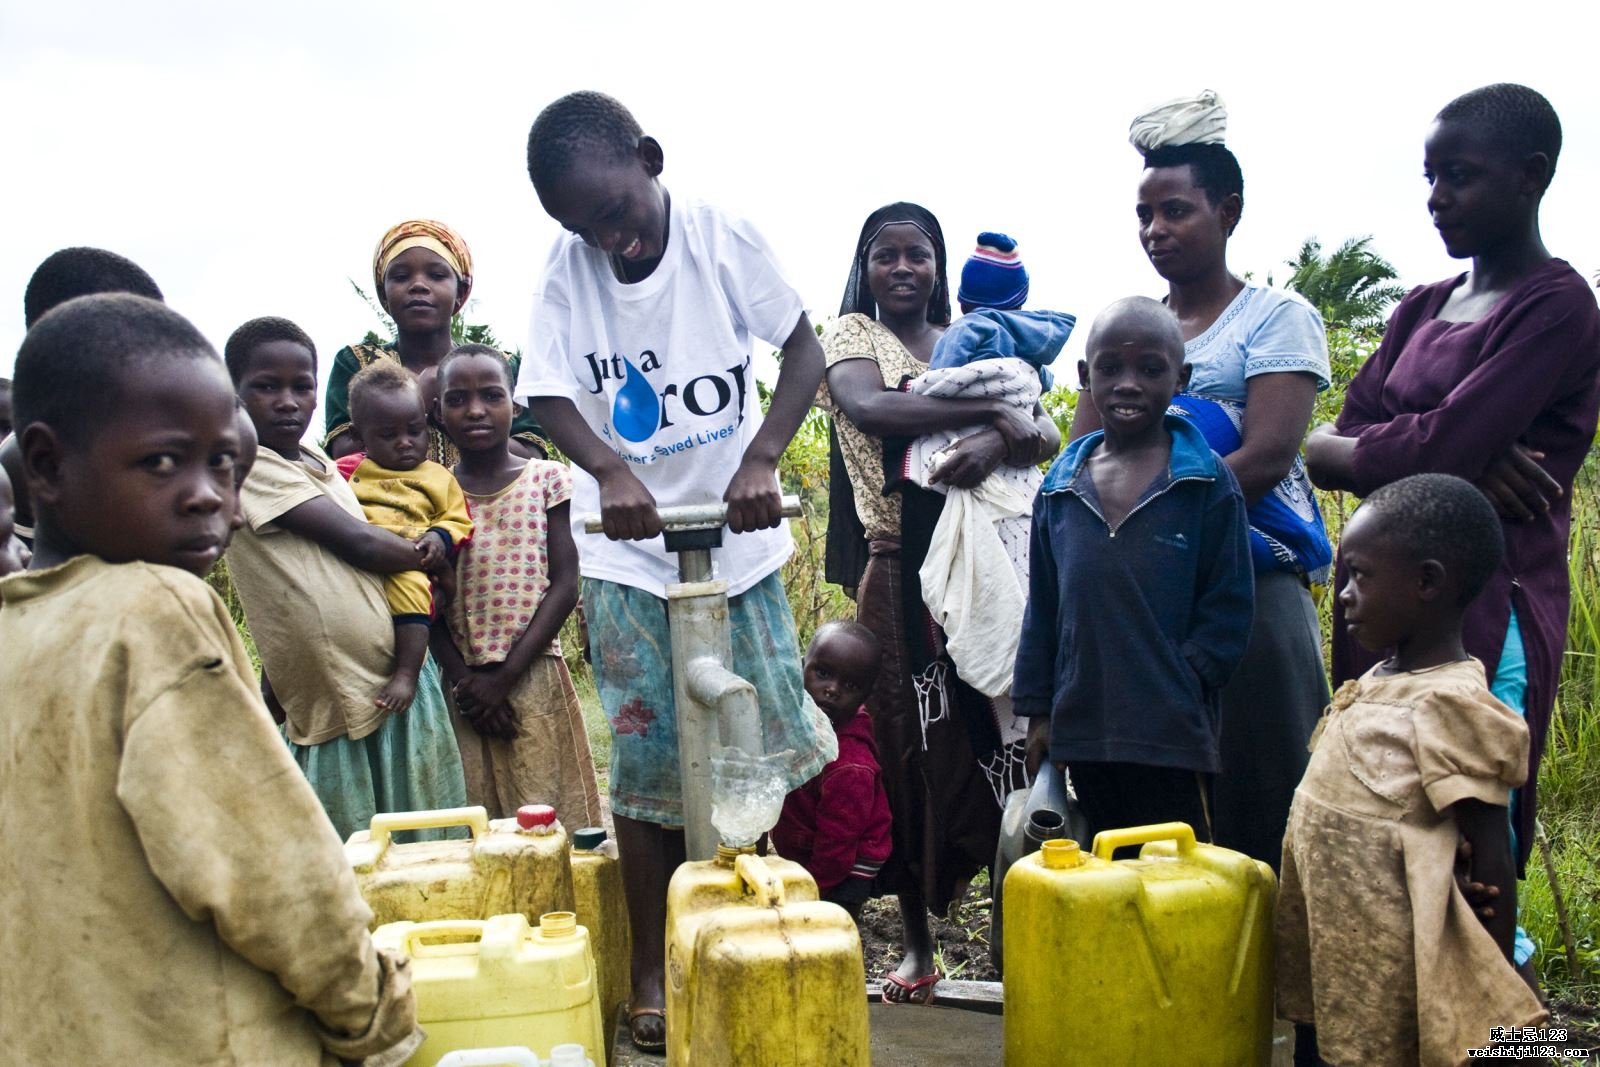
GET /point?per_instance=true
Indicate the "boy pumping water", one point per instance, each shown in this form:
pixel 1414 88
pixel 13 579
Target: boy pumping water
pixel 639 368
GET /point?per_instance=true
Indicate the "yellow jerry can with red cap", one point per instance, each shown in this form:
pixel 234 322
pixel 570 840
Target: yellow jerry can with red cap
pixel 602 908
pixel 483 983
pixel 508 865
pixel 1167 955
pixel 759 971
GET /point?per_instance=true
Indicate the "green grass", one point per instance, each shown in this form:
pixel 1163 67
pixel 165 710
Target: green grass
pixel 1569 777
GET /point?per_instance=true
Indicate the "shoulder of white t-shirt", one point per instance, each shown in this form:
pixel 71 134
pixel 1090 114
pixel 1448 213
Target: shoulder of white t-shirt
pixel 565 252
pixel 710 222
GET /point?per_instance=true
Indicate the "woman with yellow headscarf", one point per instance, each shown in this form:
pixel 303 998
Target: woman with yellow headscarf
pixel 422 276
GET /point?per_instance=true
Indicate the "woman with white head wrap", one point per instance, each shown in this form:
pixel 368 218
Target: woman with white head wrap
pixel 1201 119
pixel 1259 357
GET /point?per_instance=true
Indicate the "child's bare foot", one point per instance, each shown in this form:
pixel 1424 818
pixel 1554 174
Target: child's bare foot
pixel 410 649
pixel 397 694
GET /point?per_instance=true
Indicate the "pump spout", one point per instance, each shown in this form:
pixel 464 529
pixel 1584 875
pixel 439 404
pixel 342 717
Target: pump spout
pixel 734 698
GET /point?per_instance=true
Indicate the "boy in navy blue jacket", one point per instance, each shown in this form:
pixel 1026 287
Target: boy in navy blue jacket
pixel 1141 589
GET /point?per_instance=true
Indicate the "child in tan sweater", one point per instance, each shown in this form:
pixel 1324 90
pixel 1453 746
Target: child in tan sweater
pixel 172 891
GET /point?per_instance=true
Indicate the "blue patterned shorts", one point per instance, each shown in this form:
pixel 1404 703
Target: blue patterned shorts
pixel 631 648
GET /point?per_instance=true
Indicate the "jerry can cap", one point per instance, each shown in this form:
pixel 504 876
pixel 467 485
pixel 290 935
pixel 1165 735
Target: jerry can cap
pixel 1061 854
pixel 589 838
pixel 558 924
pixel 536 816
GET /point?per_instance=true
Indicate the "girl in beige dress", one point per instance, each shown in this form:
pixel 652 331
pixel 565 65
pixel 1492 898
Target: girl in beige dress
pixel 1380 957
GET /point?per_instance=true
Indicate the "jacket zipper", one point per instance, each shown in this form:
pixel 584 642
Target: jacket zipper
pixel 1140 505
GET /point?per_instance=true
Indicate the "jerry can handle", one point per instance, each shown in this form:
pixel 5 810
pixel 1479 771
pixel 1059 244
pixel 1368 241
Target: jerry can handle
pixel 1108 841
pixel 386 824
pixel 508 1056
pixel 421 932
pixel 767 887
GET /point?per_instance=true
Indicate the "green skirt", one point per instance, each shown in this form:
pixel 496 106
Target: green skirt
pixel 410 763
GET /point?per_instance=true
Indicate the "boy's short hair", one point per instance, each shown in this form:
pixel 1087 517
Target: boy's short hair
pixel 264 330
pixel 856 632
pixel 1141 308
pixel 71 364
pixel 74 272
pixel 577 123
pixel 384 376
pixel 472 348
pixel 1442 517
pixel 1518 120
pixel 1216 168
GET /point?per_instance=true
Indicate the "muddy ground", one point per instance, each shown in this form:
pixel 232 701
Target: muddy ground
pixel 961 940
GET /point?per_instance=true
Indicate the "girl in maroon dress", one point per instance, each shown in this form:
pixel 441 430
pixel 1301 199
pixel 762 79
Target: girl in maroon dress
pixel 1492 376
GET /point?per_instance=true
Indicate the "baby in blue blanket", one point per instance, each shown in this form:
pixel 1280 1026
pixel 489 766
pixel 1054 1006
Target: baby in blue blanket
pixel 994 286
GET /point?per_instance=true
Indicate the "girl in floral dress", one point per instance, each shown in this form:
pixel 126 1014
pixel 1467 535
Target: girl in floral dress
pixel 518 722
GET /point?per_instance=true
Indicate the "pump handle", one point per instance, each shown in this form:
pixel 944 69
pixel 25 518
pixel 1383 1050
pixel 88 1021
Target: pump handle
pixel 697 516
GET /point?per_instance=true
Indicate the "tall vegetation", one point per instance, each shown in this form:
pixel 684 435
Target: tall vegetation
pixel 1352 286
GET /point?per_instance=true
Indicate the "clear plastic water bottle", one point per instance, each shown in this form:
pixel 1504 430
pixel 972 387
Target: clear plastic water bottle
pixel 746 793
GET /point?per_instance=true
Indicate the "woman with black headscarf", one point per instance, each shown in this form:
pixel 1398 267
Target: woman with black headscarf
pixel 938 740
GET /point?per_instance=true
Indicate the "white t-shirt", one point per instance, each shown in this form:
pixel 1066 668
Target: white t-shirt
pixel 661 370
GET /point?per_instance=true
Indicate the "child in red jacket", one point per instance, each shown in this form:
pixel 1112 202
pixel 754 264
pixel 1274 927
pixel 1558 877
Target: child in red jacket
pixel 837 824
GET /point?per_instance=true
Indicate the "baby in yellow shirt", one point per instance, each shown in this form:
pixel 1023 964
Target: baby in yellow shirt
pixel 403 491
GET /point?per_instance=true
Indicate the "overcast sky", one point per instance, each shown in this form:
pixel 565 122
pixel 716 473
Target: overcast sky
pixel 249 156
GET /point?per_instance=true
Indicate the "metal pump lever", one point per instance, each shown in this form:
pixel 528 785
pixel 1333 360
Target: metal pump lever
pixel 687 518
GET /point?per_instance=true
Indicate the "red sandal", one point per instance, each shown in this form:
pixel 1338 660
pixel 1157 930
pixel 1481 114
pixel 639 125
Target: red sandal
pixel 924 985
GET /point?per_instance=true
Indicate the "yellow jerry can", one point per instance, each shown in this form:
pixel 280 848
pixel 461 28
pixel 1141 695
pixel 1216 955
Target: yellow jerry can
pixel 509 865
pixel 1168 956
pixel 483 983
pixel 601 907
pixel 759 971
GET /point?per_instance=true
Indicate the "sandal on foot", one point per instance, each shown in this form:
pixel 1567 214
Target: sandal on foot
pixel 634 1014
pixel 924 985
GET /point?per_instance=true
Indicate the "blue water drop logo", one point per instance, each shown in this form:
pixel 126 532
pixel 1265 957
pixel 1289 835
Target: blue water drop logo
pixel 636 413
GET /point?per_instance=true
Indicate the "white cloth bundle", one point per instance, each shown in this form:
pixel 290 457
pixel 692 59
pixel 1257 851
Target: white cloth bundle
pixel 970 583
pixel 975 576
pixel 1013 380
pixel 1201 119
